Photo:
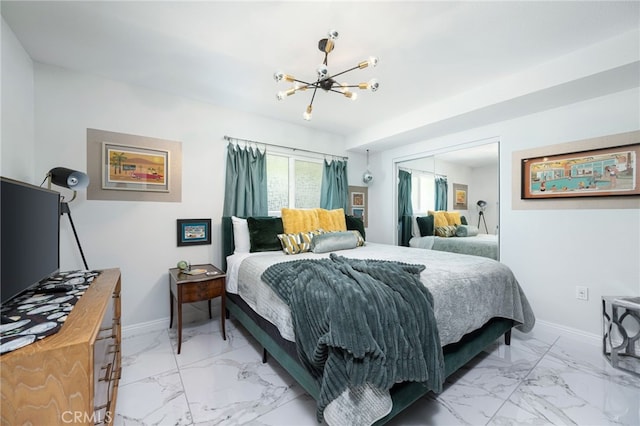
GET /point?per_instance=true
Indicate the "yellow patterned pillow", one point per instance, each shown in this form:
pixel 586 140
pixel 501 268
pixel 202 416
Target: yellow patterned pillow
pixel 332 220
pixel 453 218
pixel 299 220
pixel 299 242
pixel 439 218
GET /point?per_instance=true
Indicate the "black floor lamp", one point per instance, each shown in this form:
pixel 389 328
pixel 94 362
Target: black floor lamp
pixel 73 180
pixel 481 206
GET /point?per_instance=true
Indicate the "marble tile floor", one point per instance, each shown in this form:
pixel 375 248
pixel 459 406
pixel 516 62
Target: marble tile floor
pixel 538 380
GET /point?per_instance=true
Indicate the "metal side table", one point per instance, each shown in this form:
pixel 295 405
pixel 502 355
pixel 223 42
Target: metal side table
pixel 623 324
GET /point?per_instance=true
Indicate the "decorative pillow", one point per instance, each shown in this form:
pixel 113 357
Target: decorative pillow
pixel 439 218
pixel 466 231
pixel 241 240
pixel 446 231
pixel 332 220
pixel 355 224
pixel 453 218
pixel 299 220
pixel 299 242
pixel 333 241
pixel 263 233
pixel 463 220
pixel 425 223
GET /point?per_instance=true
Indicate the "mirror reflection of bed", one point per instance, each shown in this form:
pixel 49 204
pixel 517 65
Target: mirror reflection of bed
pixel 471 174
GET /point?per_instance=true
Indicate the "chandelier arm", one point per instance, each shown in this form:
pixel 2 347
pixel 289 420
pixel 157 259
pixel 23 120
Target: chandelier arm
pixel 313 96
pixel 345 71
pixel 303 82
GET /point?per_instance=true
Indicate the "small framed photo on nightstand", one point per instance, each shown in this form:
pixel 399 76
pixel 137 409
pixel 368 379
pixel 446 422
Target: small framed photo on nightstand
pixel 193 232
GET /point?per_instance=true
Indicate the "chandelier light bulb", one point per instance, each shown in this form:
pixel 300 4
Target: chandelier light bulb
pixel 307 114
pixel 322 71
pixel 373 85
pixel 333 34
pixel 281 96
pixel 373 61
pixel 278 76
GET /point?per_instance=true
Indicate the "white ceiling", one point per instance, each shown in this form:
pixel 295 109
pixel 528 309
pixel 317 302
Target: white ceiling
pixel 225 53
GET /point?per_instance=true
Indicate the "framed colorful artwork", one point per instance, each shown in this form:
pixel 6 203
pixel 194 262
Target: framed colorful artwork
pixel 460 196
pixel 194 232
pixel 601 172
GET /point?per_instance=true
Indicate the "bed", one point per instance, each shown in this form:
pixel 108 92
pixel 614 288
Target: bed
pixel 485 245
pixel 449 231
pixel 464 330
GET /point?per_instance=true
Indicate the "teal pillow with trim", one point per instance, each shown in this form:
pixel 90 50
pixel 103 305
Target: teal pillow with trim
pixel 263 233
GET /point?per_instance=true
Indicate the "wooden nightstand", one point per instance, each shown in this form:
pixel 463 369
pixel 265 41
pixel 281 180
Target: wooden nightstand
pixel 186 288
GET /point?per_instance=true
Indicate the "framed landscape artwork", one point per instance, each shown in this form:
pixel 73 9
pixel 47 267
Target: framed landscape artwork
pixel 594 173
pixel 134 168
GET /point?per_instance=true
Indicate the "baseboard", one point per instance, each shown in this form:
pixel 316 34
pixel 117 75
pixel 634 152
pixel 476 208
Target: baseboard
pixel 145 327
pixel 573 333
pixel 541 326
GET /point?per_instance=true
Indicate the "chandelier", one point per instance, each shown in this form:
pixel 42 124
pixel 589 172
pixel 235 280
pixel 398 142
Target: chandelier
pixel 326 81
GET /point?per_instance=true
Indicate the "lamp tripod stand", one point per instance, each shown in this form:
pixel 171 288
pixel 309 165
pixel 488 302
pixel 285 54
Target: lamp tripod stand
pixel 481 216
pixel 64 209
pixel 72 179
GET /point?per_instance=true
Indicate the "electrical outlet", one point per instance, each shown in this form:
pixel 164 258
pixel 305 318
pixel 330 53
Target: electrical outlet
pixel 582 293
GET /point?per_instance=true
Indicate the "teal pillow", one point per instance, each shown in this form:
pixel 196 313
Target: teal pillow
pixel 426 226
pixel 263 233
pixel 333 241
pixel 466 231
pixel 355 224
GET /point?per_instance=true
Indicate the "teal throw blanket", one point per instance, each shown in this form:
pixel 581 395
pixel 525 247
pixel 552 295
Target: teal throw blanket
pixel 360 321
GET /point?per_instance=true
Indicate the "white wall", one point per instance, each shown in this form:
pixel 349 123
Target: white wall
pixel 140 237
pixel 550 251
pixel 16 141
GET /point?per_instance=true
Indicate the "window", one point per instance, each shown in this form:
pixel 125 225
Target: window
pixel 422 192
pixel 293 182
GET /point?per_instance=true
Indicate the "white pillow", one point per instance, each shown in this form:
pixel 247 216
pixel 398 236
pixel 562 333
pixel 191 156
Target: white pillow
pixel 241 239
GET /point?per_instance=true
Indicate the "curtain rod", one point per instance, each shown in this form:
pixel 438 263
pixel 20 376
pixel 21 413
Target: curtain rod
pixel 229 139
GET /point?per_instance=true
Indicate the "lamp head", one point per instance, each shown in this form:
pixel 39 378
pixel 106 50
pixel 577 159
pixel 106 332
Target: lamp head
pixel 482 204
pixel 68 178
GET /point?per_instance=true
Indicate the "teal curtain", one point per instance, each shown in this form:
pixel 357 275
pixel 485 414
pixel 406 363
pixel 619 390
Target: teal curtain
pixel 405 208
pixel 246 182
pixel 335 186
pixel 441 192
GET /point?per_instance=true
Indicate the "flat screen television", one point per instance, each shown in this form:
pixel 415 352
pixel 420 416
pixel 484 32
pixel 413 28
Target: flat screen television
pixel 30 234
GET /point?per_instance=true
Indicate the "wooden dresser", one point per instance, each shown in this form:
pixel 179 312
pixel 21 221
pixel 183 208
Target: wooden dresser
pixel 72 376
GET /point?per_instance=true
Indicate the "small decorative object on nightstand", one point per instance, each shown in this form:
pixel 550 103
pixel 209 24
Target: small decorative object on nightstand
pixel 202 282
pixel 621 332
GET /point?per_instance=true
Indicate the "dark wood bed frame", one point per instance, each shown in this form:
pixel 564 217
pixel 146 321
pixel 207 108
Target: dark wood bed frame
pixel 403 394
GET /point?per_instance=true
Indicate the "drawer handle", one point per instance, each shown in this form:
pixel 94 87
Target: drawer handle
pixel 116 374
pixel 107 374
pixel 111 336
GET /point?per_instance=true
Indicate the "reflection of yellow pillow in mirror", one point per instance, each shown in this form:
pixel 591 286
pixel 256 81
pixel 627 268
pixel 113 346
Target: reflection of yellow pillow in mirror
pixel 332 220
pixel 439 218
pixel 453 218
pixel 299 220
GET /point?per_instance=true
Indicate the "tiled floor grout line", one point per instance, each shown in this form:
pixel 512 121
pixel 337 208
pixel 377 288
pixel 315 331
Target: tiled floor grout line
pixel 508 398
